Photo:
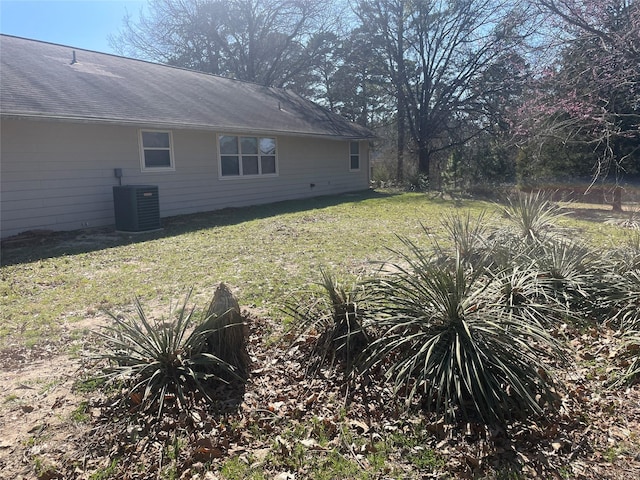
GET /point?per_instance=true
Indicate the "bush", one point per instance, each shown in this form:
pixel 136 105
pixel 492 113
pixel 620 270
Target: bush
pixel 336 315
pixel 162 361
pixel 454 335
pixel 469 236
pixel 533 214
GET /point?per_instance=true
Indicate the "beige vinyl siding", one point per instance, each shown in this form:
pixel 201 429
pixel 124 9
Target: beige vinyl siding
pixel 59 176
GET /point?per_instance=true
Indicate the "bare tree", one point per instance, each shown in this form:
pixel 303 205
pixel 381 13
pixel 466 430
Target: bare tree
pixel 441 56
pixel 271 42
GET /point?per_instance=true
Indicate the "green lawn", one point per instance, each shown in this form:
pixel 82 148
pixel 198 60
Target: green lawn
pixel 264 253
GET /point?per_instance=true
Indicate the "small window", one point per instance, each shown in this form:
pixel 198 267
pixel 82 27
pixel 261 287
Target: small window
pixel 156 151
pixel 354 158
pixel 246 156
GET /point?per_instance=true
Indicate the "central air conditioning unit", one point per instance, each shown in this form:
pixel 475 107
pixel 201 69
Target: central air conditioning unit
pixel 137 208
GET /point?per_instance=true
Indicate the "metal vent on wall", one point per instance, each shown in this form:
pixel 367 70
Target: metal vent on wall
pixel 137 207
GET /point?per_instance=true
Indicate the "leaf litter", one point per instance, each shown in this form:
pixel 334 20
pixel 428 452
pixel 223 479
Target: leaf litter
pixel 284 425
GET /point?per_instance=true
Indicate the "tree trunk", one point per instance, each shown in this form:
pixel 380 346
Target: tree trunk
pixel 617 199
pixel 228 337
pixel 424 160
pixel 400 82
pixel 401 139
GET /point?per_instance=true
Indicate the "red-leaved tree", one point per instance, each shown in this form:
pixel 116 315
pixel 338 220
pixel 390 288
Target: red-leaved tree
pixel 588 97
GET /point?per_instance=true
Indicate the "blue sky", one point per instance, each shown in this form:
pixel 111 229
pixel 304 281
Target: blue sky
pixel 78 23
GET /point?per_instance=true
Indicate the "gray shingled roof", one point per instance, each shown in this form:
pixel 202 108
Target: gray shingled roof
pixel 38 79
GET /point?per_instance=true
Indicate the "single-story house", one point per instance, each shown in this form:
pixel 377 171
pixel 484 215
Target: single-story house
pixel 75 123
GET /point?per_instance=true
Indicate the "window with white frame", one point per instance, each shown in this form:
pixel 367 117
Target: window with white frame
pixel 156 150
pixel 354 157
pixel 245 156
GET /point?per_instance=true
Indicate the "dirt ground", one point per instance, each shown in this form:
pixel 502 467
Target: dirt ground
pixel 38 400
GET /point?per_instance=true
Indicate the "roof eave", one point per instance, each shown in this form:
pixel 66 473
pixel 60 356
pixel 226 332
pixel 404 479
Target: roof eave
pixel 181 126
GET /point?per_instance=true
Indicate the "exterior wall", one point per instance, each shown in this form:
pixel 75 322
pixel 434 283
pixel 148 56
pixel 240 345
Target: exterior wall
pixel 59 176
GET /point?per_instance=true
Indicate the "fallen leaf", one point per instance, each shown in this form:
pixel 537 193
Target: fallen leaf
pixel 285 476
pixel 205 450
pixel 309 442
pixel 361 427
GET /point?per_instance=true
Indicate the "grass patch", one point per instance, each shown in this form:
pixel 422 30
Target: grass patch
pixel 10 398
pixel 237 469
pixel 89 385
pixel 81 413
pixel 264 252
pixel 106 472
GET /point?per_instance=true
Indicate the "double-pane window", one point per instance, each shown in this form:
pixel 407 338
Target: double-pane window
pixel 241 156
pixel 354 157
pixel 156 149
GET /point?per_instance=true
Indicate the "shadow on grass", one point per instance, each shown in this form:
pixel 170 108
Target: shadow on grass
pixel 602 213
pixel 34 246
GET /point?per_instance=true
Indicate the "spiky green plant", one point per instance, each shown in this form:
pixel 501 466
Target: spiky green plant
pixel 566 267
pixel 626 307
pixel 469 235
pixel 533 214
pixel 447 337
pixel 570 275
pixel 619 296
pixel 628 304
pixel 583 280
pixel 160 360
pixel 521 291
pixel 336 313
pixel 627 256
pixel 629 352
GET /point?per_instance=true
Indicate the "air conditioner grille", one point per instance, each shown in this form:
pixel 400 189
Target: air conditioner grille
pixel 136 207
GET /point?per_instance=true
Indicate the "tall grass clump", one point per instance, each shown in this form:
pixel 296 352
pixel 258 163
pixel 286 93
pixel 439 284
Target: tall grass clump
pixel 162 361
pixel 447 336
pixel 334 314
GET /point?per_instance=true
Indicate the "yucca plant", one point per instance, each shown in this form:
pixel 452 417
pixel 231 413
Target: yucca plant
pixel 569 269
pixel 630 352
pixel 626 309
pixel 627 314
pixel 160 360
pixel 619 297
pixel 521 291
pixel 627 256
pixel 533 214
pixel 447 337
pixel 336 315
pixel 584 280
pixel 469 235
